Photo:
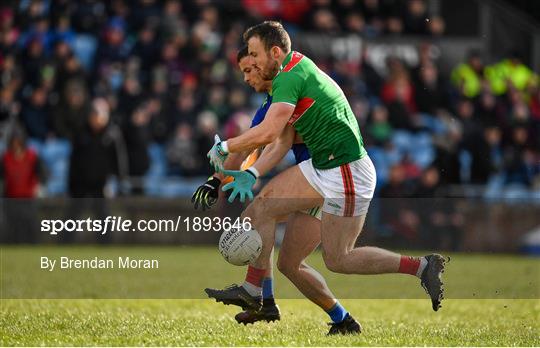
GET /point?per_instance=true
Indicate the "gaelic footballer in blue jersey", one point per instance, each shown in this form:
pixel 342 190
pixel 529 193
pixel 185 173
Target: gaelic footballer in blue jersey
pixel 206 195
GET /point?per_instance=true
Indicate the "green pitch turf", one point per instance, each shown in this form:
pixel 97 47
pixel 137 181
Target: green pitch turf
pixel 206 323
pixel 493 300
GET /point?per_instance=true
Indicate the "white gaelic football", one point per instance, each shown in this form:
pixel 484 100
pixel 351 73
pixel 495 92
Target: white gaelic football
pixel 239 246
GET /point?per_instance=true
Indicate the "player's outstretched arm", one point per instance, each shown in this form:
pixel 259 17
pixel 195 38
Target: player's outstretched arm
pixel 263 134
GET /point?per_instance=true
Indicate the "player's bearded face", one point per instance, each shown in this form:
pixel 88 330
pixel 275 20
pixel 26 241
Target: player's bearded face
pixel 271 68
pixel 267 66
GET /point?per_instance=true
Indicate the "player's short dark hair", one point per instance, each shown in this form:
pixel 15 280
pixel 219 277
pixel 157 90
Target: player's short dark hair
pixel 242 53
pixel 271 33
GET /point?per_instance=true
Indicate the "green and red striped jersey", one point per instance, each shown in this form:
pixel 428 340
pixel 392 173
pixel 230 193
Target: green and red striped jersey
pixel 322 114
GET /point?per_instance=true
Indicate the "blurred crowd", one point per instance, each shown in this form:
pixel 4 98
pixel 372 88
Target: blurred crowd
pixel 137 89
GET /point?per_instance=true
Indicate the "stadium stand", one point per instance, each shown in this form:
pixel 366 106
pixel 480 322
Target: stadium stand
pixel 167 71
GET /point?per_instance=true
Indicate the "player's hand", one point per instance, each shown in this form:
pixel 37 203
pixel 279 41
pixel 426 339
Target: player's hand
pixel 207 194
pixel 242 184
pixel 217 154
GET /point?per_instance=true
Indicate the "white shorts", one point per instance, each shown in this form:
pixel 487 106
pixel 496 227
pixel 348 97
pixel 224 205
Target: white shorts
pixel 347 189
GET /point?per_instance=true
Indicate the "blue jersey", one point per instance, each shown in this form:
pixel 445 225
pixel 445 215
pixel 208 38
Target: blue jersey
pixel 300 151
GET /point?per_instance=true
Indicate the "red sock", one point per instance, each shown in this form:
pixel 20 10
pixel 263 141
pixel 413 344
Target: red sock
pixel 255 276
pixel 409 264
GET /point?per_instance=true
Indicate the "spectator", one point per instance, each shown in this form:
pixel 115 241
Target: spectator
pixel 67 70
pixel 415 19
pixel 8 105
pixel 467 77
pixel 22 173
pixel 369 74
pixel 294 11
pixel 146 47
pixel 9 33
pixel 114 49
pixel 34 59
pixel 175 65
pixel 429 184
pixel 379 129
pixel 63 31
pixel 184 109
pixel 182 152
pixel 436 26
pixel 137 134
pixel 35 115
pixel 398 98
pixel 534 104
pixel 173 23
pixel 324 21
pixel 159 123
pixel 471 127
pixel 217 102
pixel 144 13
pixel 22 169
pixel 394 26
pixel 487 156
pixel 11 74
pixel 430 91
pixel 88 16
pixel 517 158
pixel 398 86
pixel 355 23
pixel 130 95
pixel 488 110
pixel 374 14
pixel 95 155
pixel 510 73
pixel 447 148
pixel 69 118
pixel 397 185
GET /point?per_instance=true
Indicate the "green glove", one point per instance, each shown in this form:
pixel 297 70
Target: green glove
pixel 207 194
pixel 242 184
pixel 218 153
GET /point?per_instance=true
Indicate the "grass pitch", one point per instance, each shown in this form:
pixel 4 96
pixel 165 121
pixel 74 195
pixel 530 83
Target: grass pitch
pixel 206 323
pixel 493 301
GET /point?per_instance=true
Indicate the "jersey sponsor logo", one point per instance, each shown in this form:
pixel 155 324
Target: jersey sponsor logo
pixel 296 57
pixel 301 107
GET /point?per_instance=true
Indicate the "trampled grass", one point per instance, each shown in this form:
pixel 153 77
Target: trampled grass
pixel 492 301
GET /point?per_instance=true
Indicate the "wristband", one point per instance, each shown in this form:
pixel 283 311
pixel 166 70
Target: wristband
pixel 224 147
pixel 252 170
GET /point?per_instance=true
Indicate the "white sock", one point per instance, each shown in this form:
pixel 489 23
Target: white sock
pixel 422 267
pixel 253 290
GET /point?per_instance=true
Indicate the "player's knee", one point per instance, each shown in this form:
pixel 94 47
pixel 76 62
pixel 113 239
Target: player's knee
pixel 286 267
pixel 254 212
pixel 283 267
pixel 334 263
